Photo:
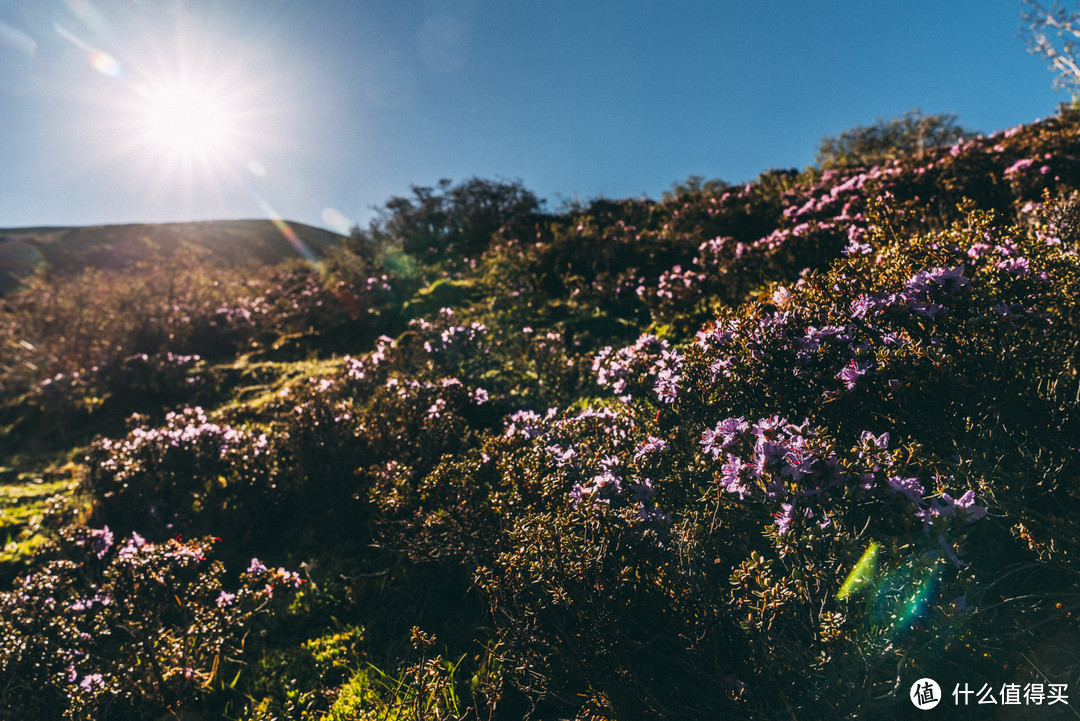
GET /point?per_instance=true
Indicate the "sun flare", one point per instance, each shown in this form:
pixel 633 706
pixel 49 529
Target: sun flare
pixel 187 122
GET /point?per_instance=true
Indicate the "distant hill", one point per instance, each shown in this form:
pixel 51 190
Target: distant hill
pixel 241 242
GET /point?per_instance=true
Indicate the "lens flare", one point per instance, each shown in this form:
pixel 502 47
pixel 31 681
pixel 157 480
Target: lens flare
pixel 903 597
pixel 337 220
pixel 286 231
pixel 862 575
pixel 105 64
pixel 22 267
pixel 89 16
pixel 99 60
pixel 346 297
pixel 896 599
pixel 12 38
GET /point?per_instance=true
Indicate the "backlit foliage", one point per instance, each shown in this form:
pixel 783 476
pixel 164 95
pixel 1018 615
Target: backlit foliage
pixel 766 451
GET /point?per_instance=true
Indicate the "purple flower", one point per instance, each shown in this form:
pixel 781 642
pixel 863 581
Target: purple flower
pixel 964 506
pixel 824 523
pixel 607 484
pixel 725 435
pixel 83 604
pixel 868 441
pixel 798 463
pixel 733 476
pixel 132 546
pixel 710 442
pixel 783 519
pixel 950 551
pixel 643 492
pixel 851 373
pixel 781 297
pixel 731 427
pixel 653 445
pixel 720 334
pixel 101 541
pixel 948 278
pixel 721 366
pixel 667 386
pixel 910 488
pixel 225 599
pixel 766 427
pixel 856 248
pixel 667 375
pixel 1017 167
pixel 865 305
pixel 525 422
pixel 92 682
pixel 436 409
pixel 756 467
pixel 930 512
pixel 874 449
pixel 289 577
pixel 1016 267
pixel 577 493
pixel 562 457
pixel 786 516
pixel 769 451
pixel 256 566
pixel 603 486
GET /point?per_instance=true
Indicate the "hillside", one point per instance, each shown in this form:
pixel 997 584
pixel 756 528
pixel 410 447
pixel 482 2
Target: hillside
pixel 770 451
pixel 67 249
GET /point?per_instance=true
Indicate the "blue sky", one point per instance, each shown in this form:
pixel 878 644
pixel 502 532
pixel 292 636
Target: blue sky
pixel 320 110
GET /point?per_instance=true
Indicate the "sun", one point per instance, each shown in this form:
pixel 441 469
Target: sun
pixel 186 121
pixel 189 116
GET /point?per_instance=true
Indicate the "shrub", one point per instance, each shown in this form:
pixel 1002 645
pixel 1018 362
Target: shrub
pixel 119 627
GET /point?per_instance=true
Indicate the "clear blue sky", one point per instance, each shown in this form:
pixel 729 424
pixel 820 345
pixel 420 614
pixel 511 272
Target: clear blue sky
pixel 116 111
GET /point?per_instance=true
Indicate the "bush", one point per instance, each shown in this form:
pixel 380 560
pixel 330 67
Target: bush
pixel 909 135
pixel 114 627
pixel 754 452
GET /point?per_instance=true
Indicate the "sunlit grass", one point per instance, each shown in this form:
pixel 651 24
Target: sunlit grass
pixel 23 505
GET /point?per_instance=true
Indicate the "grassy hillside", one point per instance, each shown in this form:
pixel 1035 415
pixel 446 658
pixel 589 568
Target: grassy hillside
pixel 245 242
pixel 773 451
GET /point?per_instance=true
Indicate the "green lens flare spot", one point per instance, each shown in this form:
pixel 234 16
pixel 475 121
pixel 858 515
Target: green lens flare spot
pixel 862 575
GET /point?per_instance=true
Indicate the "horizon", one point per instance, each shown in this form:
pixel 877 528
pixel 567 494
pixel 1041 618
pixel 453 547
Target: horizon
pixel 121 112
pixel 206 221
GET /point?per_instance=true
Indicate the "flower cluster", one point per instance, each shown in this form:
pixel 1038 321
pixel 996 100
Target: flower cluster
pixel 650 358
pixel 60 629
pixel 651 439
pixel 791 465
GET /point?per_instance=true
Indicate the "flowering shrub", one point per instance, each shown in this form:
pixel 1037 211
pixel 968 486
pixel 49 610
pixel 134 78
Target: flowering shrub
pixel 116 626
pixel 181 477
pixel 923 342
pixel 747 452
pixel 87 349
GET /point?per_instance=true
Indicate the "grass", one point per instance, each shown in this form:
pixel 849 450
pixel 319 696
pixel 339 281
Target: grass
pixel 23 504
